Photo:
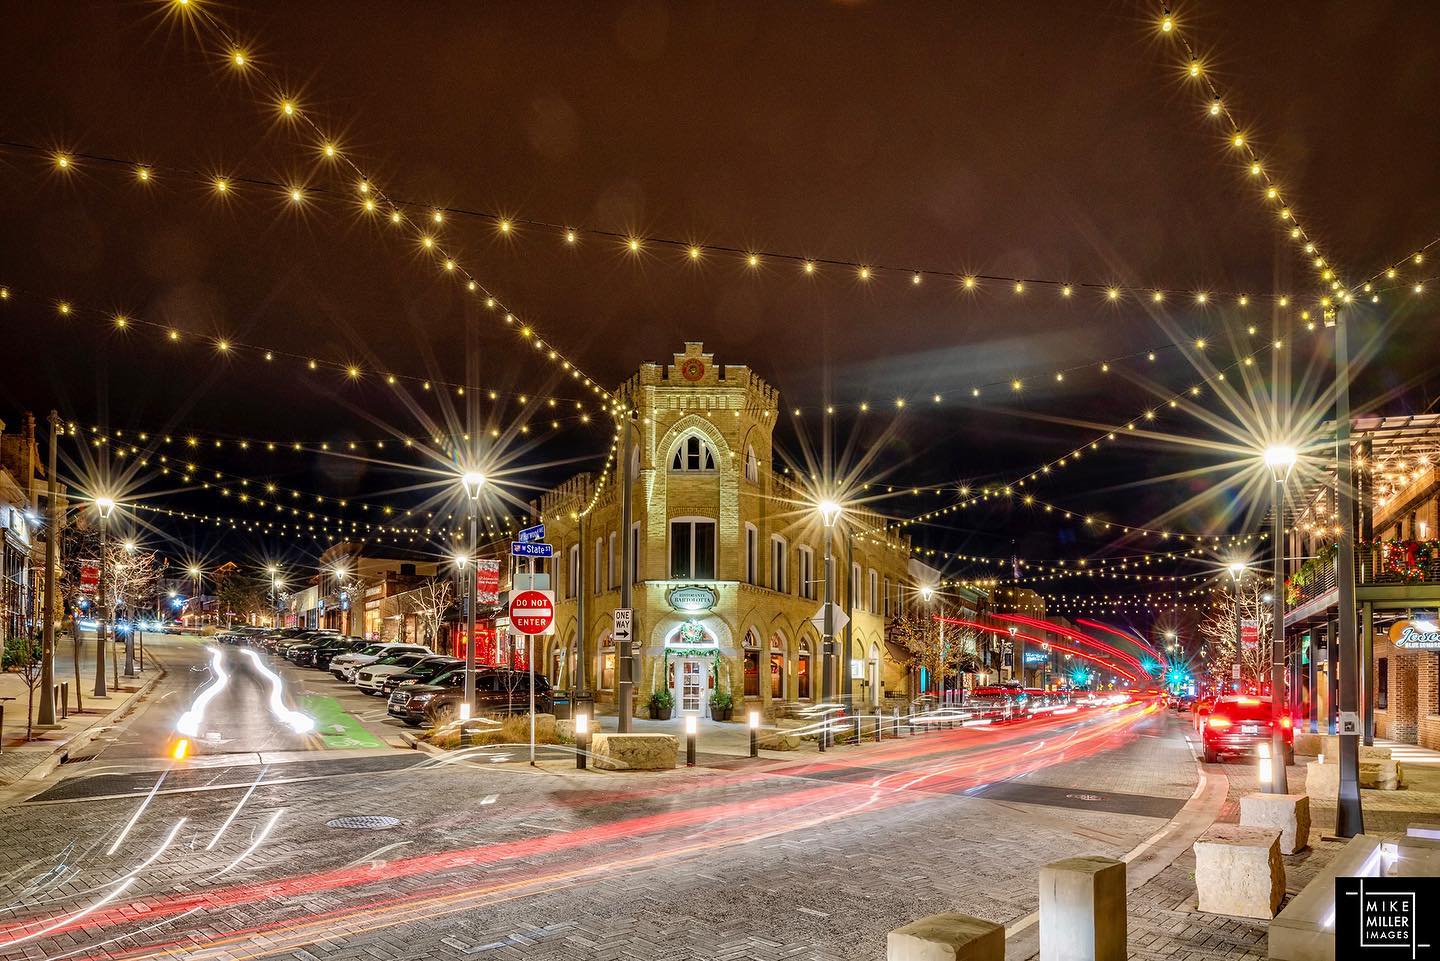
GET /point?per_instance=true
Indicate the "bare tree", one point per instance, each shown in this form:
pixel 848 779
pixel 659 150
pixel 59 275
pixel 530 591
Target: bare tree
pixel 431 602
pixel 23 656
pixel 1221 630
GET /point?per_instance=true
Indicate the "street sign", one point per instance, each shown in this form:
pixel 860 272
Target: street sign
pixel 531 549
pixel 1249 634
pixel 841 618
pixel 89 576
pixel 487 582
pixel 533 612
pixel 1235 671
pixel 531 534
pixel 624 624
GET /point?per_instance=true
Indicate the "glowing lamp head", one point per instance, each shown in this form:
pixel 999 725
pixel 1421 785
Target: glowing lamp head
pixel 104 505
pixel 829 512
pixel 1237 570
pixel 461 560
pixel 194 571
pixel 1280 460
pixel 927 592
pixel 130 547
pixel 472 482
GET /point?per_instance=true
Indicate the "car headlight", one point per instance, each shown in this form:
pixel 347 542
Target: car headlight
pixel 420 698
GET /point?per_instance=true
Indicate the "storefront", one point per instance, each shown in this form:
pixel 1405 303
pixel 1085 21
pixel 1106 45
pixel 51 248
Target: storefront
pixel 1407 681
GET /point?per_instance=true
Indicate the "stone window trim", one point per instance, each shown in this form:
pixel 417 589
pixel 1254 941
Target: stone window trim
pixel 694 522
pixel 693 455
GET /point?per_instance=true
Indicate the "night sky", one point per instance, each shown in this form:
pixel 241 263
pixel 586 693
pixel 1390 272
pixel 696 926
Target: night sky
pixel 1049 140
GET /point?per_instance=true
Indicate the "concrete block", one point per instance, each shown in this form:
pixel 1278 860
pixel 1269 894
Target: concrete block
pixel 1239 872
pixel 1330 747
pixel 1290 813
pixel 565 729
pixel 1082 910
pixel 633 752
pixel 1322 781
pixel 947 937
pixel 1379 774
pixel 1309 744
pixel 777 739
pixel 1424 829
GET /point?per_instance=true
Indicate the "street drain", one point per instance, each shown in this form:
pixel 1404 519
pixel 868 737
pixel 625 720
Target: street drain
pixel 364 822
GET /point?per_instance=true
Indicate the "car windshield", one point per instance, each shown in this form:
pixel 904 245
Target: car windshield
pixel 433 668
pixel 373 649
pixel 1243 709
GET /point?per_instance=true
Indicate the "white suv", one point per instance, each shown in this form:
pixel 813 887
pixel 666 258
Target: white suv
pixel 370 677
pixel 345 665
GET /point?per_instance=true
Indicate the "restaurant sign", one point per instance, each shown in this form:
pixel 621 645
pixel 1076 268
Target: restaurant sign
pixel 1416 635
pixel 692 598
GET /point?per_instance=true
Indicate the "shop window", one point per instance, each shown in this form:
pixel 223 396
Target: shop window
pixel 692 549
pixel 1382 684
pixel 777 677
pixel 802 672
pixel 607 670
pixel 693 454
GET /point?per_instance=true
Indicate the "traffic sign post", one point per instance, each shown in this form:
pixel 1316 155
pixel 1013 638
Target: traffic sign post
pixel 533 612
pixel 531 534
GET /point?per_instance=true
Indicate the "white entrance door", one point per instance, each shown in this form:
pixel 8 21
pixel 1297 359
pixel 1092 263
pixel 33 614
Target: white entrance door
pixel 690 680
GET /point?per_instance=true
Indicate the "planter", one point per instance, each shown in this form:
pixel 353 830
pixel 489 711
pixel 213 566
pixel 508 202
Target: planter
pixel 659 713
pixel 720 713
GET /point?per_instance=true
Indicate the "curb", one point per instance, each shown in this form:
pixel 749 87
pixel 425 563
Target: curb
pixel 83 738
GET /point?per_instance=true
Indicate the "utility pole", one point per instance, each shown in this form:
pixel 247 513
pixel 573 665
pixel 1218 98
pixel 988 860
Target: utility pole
pixel 627 557
pixel 46 716
pixel 1349 817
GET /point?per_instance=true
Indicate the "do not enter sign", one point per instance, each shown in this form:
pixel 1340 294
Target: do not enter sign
pixel 533 612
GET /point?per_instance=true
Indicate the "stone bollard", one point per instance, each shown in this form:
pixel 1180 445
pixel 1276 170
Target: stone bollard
pixel 1238 871
pixel 1288 812
pixel 946 937
pixel 1082 910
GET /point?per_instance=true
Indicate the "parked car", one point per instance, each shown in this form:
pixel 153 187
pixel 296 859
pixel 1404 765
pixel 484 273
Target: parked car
pixel 321 657
pixel 1239 725
pixel 344 666
pixel 304 642
pixel 998 703
pixel 370 677
pixel 422 673
pixel 498 691
pixel 1201 710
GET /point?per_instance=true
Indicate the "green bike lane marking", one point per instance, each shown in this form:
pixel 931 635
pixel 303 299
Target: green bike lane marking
pixel 337 727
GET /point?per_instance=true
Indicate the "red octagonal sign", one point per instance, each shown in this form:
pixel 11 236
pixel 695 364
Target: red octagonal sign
pixel 533 612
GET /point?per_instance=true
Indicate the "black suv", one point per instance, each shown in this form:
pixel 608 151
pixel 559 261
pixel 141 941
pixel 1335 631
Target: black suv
pixel 322 655
pixel 422 673
pixel 498 691
pixel 306 643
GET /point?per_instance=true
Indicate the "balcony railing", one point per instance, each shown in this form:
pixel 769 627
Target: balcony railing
pixel 1389 563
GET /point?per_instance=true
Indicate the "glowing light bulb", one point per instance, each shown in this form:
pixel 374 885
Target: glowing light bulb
pixel 1167 24
pixel 287 107
pixel 1215 107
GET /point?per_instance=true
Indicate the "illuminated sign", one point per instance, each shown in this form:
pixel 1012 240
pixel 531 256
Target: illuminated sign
pixel 692 598
pixel 1416 635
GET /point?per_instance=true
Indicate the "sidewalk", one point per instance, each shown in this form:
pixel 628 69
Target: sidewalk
pixel 20 758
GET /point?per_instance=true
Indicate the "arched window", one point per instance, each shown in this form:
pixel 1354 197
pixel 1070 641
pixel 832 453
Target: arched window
pixel 752 664
pixel 802 672
pixel 777 667
pixel 693 454
pixel 752 466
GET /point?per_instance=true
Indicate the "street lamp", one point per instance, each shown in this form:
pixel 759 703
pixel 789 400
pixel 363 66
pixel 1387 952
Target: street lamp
pixel 104 506
pixel 1281 461
pixel 1237 574
pixel 1013 652
pixel 830 512
pixel 471 482
pixel 196 579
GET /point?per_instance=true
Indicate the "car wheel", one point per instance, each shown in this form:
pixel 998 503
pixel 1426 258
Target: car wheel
pixel 1211 756
pixel 410 722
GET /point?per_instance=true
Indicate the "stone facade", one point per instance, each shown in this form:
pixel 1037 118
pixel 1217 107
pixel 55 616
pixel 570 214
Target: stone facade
pixel 717 519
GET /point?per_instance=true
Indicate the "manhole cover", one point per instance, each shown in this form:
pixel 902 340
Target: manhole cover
pixel 364 822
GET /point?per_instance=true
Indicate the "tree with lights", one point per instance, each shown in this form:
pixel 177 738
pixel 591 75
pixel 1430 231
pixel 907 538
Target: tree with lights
pixel 431 603
pixel 241 595
pixel 1222 632
pixel 943 654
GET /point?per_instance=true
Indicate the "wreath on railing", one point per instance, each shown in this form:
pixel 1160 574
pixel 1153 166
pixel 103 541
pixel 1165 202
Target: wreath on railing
pixel 1408 560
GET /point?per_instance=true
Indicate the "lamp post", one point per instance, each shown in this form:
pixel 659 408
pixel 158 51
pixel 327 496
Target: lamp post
pixel 197 575
pixel 1237 574
pixel 274 572
pixel 1014 655
pixel 927 593
pixel 130 634
pixel 829 513
pixel 472 482
pixel 1281 461
pixel 103 507
pixel 46 717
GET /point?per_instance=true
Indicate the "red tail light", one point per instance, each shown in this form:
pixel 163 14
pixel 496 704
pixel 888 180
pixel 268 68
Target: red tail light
pixel 1217 721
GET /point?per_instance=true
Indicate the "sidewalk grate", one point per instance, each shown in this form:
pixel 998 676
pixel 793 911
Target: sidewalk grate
pixel 364 822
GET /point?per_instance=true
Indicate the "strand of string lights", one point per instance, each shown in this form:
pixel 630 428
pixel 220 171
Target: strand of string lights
pixel 351 372
pixel 223 43
pixel 69 162
pixel 1240 142
pixel 150 175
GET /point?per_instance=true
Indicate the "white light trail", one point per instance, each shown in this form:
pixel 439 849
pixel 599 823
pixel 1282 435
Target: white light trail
pixel 296 721
pixel 264 833
pixel 231 819
pixel 138 811
pixel 189 723
pixel 71 919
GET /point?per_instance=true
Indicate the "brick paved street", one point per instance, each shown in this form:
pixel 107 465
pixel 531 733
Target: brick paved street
pixel 782 859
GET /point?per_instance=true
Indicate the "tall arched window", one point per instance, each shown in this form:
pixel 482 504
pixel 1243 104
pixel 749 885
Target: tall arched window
pixel 752 466
pixel 802 671
pixel 693 454
pixel 752 665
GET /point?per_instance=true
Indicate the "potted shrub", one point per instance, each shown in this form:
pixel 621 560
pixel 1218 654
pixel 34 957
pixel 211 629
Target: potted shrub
pixel 662 702
pixel 721 704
